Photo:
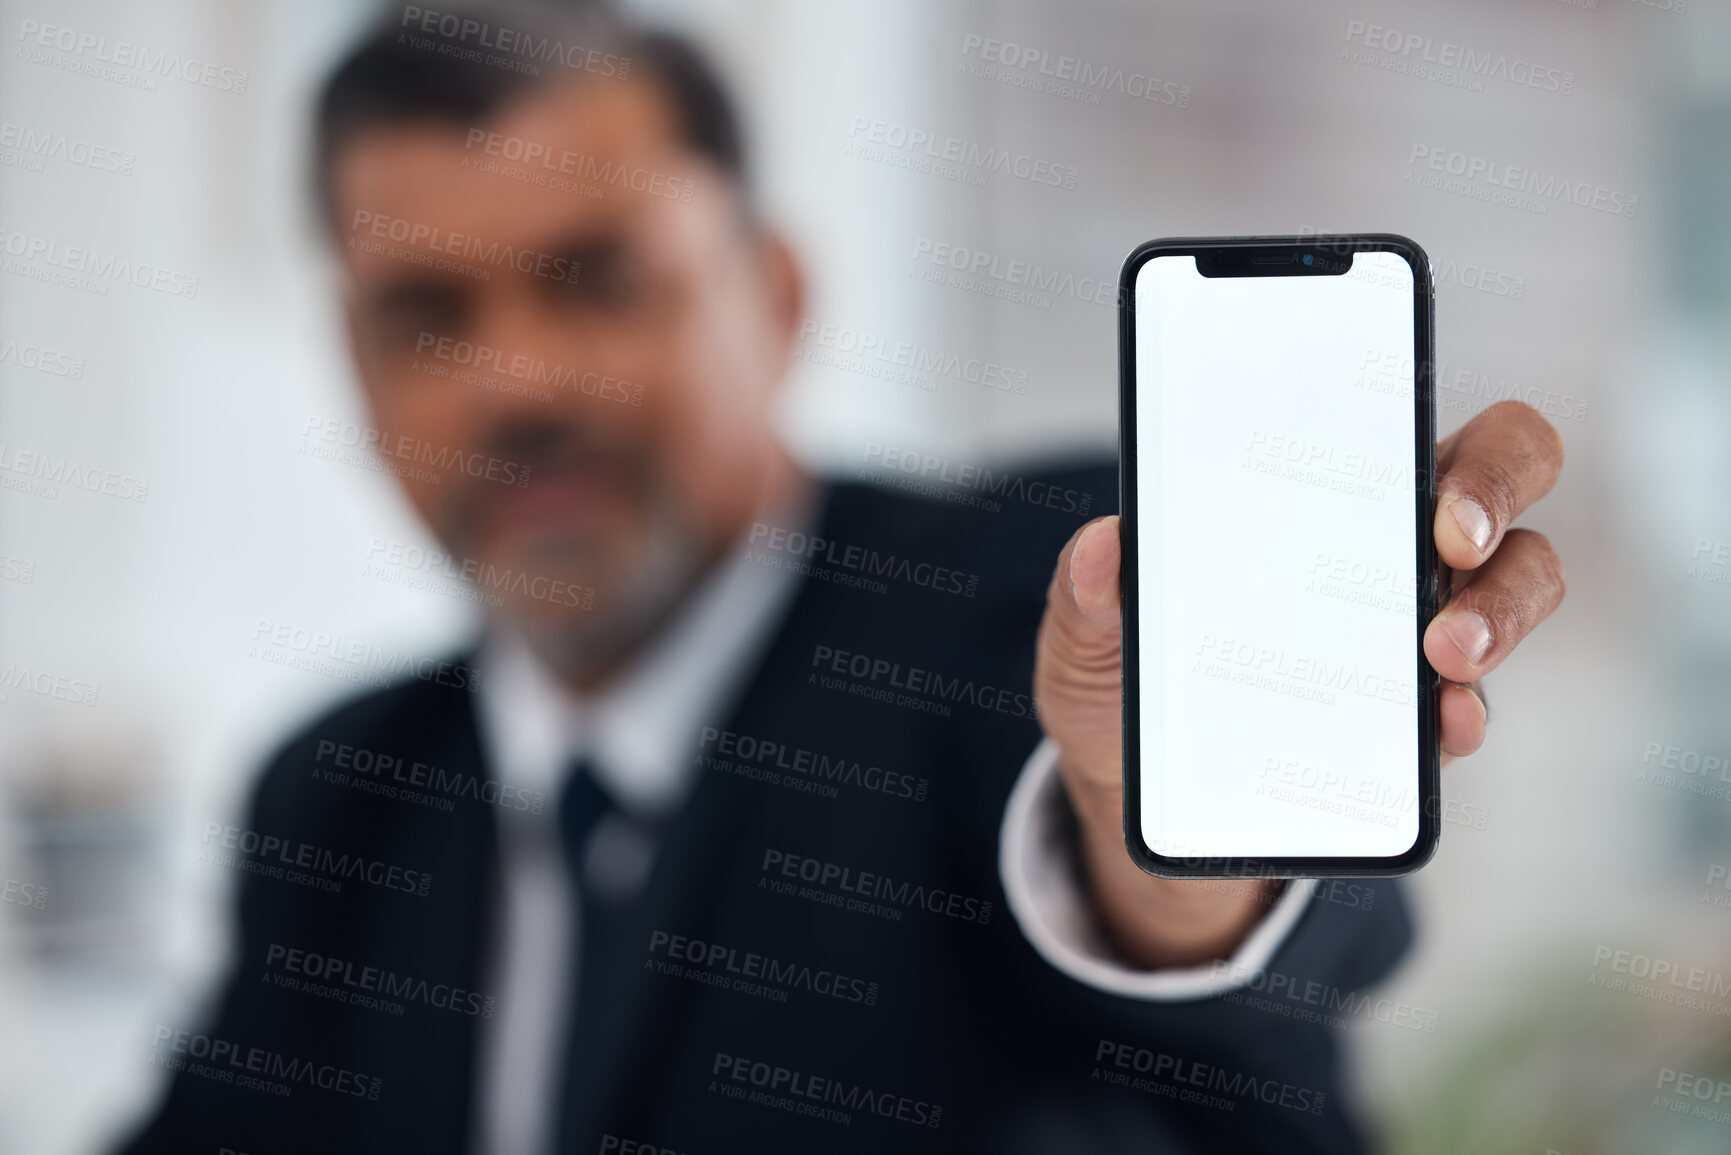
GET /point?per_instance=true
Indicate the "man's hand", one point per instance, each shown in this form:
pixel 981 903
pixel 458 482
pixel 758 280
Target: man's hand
pixel 1504 582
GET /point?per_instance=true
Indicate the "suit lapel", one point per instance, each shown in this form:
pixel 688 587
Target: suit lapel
pixel 447 934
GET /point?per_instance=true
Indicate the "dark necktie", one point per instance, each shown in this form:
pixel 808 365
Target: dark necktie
pixel 602 848
pixel 582 806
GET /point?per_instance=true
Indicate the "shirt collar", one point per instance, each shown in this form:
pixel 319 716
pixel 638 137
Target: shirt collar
pixel 641 729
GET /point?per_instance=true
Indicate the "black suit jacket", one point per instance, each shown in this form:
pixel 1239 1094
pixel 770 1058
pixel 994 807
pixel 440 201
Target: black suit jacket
pixel 861 984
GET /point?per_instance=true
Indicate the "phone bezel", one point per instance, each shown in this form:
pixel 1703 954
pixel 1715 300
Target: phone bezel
pixel 1426 593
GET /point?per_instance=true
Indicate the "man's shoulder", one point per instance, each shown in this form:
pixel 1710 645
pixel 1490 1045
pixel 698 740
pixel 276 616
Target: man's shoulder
pixel 404 707
pixel 366 744
pixel 1081 486
pixel 1004 525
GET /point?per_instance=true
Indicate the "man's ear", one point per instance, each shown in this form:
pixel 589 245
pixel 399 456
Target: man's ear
pixel 784 280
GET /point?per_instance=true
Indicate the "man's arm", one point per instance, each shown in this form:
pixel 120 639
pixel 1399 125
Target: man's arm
pixel 1505 582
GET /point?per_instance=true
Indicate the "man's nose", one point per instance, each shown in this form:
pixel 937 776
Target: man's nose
pixel 529 366
pixel 521 366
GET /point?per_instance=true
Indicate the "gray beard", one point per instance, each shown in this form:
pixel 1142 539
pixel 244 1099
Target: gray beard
pixel 647 595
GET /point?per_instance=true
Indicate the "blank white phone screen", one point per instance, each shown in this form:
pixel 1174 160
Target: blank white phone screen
pixel 1276 561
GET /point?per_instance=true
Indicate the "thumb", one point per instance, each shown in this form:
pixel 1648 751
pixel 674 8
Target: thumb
pixel 1090 563
pixel 1077 672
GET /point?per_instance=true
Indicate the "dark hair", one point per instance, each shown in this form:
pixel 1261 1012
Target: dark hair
pixel 425 65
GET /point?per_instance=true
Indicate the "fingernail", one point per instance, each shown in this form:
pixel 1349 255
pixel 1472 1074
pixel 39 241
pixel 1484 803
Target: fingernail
pixel 1470 633
pixel 1473 520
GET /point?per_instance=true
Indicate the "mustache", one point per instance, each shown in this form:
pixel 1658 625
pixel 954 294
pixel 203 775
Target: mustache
pixel 543 446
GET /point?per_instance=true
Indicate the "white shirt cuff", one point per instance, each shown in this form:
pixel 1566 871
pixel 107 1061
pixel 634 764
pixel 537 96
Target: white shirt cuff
pixel 1047 896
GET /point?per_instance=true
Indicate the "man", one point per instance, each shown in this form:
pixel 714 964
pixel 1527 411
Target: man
pixel 708 847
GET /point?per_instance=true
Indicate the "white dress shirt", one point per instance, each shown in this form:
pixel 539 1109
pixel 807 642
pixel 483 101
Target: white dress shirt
pixel 638 734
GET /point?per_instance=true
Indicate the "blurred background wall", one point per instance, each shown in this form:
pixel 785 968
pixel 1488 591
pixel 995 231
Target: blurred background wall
pixel 1592 833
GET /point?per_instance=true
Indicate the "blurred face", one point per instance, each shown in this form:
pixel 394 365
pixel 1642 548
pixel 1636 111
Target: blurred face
pixel 572 372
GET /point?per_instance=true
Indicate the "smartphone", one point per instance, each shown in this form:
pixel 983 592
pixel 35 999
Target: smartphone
pixel 1277 441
